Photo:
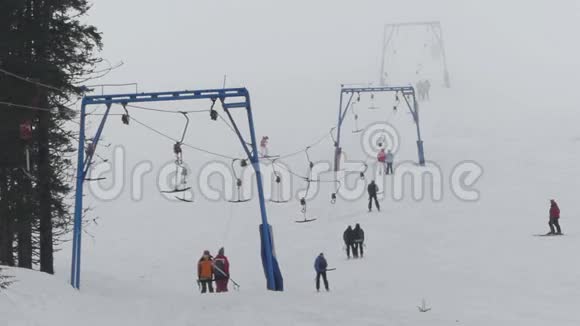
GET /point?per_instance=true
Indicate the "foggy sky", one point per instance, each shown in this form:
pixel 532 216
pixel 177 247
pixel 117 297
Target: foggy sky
pixel 293 55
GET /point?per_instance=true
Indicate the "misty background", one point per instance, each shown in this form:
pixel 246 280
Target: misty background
pixel 293 56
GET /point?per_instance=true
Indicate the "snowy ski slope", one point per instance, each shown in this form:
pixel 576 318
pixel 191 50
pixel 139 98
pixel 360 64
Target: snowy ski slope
pixel 474 263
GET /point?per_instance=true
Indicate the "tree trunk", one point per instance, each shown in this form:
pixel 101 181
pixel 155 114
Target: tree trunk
pixel 6 225
pixel 44 193
pixel 24 220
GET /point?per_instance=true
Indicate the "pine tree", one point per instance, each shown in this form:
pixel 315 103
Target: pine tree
pixel 45 42
pixel 5 281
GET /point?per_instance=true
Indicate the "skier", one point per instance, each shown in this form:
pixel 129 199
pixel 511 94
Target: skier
pixel 359 239
pixel 381 157
pixel 221 267
pixel 373 189
pixel 420 90
pixel 320 266
pixel 264 146
pixel 205 272
pixel 347 236
pixel 554 217
pixel 390 159
pixel 427 86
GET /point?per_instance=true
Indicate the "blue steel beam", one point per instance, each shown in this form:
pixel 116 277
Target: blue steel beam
pixel 95 142
pixel 267 240
pixel 409 89
pixel 167 96
pixel 78 201
pixel 235 105
pixel 346 108
pixel 81 175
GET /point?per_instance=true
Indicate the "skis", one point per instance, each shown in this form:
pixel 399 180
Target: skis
pixel 549 235
pixel 175 191
pixel 306 220
pixel 279 201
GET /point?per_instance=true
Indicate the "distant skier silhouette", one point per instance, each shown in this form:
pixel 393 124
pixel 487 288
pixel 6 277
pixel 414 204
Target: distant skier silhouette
pixel 348 237
pixel 359 239
pixel 390 159
pixel 373 189
pixel 423 88
pixel 426 90
pixel 554 218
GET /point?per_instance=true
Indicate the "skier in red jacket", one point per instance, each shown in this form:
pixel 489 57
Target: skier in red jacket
pixel 381 158
pixel 554 217
pixel 221 267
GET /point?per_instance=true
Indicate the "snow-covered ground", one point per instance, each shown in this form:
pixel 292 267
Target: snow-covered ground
pixel 475 263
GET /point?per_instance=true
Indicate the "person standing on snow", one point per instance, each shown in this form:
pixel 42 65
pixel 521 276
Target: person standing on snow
pixel 373 189
pixel 320 266
pixel 359 239
pixel 420 90
pixel 205 272
pixel 381 157
pixel 390 159
pixel 554 218
pixel 221 272
pixel 427 86
pixel 348 237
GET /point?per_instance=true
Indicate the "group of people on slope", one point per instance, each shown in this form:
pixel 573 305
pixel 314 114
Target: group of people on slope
pixel 210 269
pixel 386 160
pixel 423 89
pixel 354 241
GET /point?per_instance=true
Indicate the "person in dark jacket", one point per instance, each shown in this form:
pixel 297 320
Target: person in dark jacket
pixel 348 237
pixel 205 272
pixel 373 189
pixel 320 266
pixel 359 239
pixel 554 218
pixel 221 271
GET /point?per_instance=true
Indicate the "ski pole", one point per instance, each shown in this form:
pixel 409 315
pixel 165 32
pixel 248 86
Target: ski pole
pixel 236 285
